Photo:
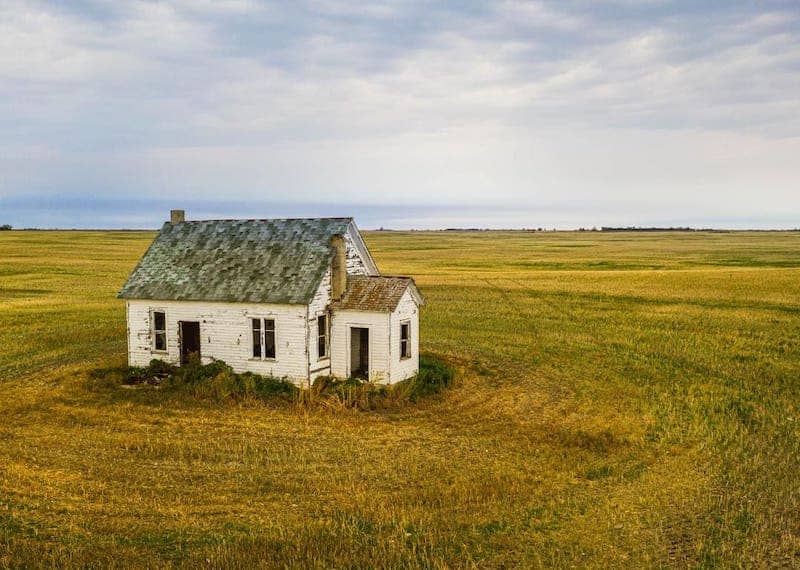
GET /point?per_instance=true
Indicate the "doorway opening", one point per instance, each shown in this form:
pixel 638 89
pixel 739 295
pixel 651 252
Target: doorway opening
pixel 359 352
pixel 190 341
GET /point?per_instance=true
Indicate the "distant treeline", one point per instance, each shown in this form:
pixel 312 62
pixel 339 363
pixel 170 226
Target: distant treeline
pixel 655 229
pixel 593 229
pixel 5 227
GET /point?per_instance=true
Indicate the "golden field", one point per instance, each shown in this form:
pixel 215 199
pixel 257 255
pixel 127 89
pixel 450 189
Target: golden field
pixel 625 400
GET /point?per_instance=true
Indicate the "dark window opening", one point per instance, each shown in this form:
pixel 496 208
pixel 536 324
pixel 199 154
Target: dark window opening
pixel 159 330
pixel 322 336
pixel 405 340
pixel 256 338
pixel 269 338
pixel 263 338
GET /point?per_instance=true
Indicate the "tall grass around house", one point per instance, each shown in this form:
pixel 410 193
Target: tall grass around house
pixel 217 382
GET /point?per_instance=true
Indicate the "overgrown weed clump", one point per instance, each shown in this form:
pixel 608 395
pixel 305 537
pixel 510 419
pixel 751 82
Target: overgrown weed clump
pixel 215 381
pixel 433 377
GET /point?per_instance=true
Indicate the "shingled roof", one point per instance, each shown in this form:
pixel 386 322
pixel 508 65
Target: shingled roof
pixel 257 261
pixel 375 293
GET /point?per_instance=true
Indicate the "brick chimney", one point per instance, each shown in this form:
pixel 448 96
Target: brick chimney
pixel 177 216
pixel 338 268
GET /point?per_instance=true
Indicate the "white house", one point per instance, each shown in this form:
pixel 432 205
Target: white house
pixel 293 298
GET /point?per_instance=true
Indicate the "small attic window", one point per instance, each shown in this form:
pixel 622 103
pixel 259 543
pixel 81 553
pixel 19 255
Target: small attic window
pixel 405 339
pixel 159 324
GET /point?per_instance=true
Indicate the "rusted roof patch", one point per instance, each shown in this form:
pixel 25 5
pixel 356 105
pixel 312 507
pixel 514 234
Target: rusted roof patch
pixel 381 294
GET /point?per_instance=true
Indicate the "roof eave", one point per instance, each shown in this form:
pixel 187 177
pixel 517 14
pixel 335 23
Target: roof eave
pixel 206 300
pixel 372 267
pixel 417 294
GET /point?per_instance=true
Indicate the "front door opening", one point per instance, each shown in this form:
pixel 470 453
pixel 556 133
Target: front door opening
pixel 190 341
pixel 359 352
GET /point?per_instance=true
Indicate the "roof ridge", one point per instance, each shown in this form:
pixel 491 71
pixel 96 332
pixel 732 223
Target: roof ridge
pixel 266 219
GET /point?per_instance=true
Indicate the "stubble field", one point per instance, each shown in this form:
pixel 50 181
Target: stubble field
pixel 625 399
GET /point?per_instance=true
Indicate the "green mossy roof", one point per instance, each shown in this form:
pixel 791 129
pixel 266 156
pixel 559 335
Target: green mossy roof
pixel 255 261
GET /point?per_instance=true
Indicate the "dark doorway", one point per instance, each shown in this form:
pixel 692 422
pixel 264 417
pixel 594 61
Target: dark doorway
pixel 190 341
pixel 359 352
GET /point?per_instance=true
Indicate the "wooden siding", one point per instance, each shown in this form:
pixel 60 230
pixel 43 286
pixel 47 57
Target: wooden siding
pixel 378 325
pixel 318 306
pixel 407 310
pixel 225 334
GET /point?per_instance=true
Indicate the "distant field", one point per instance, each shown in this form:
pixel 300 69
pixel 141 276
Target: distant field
pixel 626 400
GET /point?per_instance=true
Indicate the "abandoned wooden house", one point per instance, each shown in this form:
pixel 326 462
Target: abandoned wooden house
pixel 290 298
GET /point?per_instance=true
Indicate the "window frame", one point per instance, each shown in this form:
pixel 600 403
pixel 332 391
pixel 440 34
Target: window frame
pixel 155 332
pixel 405 343
pixel 324 337
pixel 262 338
pixel 256 325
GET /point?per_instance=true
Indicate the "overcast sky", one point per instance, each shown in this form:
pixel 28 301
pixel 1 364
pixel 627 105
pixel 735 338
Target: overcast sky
pixel 402 113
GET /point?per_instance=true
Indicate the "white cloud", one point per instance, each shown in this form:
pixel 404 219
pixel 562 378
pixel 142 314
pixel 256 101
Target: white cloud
pixel 522 102
pixel 535 14
pixel 37 45
pixel 218 7
pixel 370 9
